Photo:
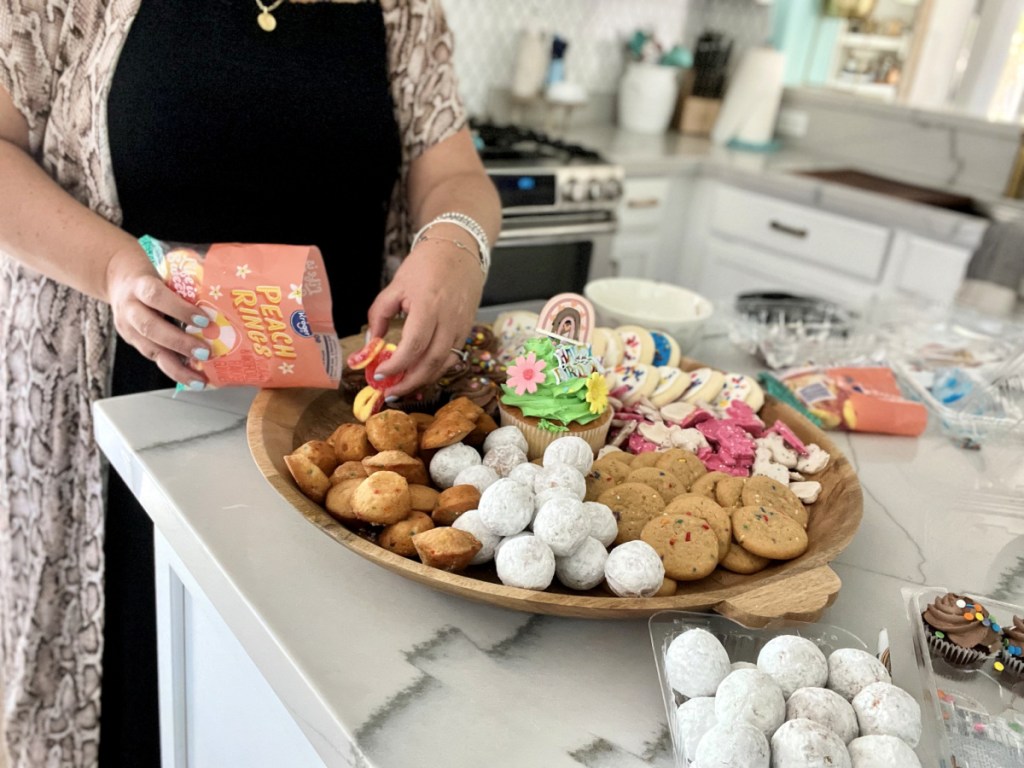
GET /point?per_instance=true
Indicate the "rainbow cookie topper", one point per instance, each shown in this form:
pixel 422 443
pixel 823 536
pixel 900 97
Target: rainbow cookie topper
pixel 567 317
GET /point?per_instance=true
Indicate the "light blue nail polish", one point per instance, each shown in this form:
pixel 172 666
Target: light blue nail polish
pixel 391 399
pixel 202 354
pixel 378 377
pixel 196 386
pixel 200 320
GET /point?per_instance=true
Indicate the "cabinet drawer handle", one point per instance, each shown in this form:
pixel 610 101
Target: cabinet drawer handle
pixel 646 202
pixel 785 229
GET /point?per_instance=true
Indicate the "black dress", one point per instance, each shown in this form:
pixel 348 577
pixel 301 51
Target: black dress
pixel 222 132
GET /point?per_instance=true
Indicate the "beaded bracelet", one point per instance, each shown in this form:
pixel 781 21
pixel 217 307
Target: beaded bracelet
pixel 471 227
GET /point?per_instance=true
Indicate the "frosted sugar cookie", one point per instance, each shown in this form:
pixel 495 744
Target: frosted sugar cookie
pixel 637 345
pixel 638 381
pixel 739 386
pixel 606 346
pixel 671 385
pixel 705 384
pixel 666 349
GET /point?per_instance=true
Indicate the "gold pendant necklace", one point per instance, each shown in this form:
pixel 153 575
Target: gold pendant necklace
pixel 266 18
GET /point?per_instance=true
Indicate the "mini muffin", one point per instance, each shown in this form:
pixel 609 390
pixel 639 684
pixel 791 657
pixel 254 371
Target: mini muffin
pixel 348 470
pixel 959 629
pixel 351 443
pixel 452 502
pixel 382 499
pixel 1011 655
pixel 409 467
pixel 321 453
pixel 449 549
pixel 397 537
pixel 392 430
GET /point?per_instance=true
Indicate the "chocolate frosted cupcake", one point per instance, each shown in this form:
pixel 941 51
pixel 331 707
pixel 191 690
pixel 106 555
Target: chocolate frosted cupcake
pixel 960 630
pixel 1012 653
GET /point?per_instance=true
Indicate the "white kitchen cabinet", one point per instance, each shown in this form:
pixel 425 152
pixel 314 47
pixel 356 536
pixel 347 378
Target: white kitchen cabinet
pixel 651 223
pixel 928 269
pixel 216 708
pixel 742 241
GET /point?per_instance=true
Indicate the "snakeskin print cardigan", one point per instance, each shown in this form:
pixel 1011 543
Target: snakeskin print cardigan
pixel 57 59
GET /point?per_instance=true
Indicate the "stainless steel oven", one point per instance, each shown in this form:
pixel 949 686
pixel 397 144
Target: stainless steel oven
pixel 558 218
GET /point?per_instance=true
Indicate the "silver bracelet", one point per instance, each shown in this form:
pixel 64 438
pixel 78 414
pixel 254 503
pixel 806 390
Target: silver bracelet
pixel 471 227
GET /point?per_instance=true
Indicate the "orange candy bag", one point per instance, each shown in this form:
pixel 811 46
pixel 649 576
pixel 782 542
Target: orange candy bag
pixel 857 398
pixel 269 308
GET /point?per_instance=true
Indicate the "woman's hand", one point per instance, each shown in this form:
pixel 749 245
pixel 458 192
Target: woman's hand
pixel 438 287
pixel 145 311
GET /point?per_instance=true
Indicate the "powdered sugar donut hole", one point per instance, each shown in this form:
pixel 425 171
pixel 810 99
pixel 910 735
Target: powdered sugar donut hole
pixel 634 569
pixel 696 662
pixel 851 669
pixel 561 476
pixel 472 523
pixel 694 718
pixel 477 475
pixel 505 436
pixel 584 568
pixel 603 525
pixel 878 751
pixel 571 450
pixel 793 662
pixel 730 745
pixel 525 473
pixel 506 507
pixel 525 561
pixel 503 458
pixel 562 524
pixel 825 707
pixel 805 742
pixel 887 710
pixel 449 461
pixel 750 696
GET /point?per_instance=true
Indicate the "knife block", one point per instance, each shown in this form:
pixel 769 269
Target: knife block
pixel 697 116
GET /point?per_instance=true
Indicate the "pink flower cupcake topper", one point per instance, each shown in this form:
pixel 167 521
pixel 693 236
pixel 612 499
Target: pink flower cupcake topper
pixel 526 374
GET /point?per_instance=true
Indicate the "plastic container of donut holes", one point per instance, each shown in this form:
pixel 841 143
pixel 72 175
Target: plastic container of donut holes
pixel 979 708
pixel 797 686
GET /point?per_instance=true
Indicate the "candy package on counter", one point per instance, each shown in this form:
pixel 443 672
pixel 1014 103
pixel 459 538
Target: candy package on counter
pixel 269 308
pixel 855 398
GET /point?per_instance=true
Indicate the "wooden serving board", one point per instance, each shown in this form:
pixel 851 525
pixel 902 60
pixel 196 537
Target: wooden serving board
pixel 801 589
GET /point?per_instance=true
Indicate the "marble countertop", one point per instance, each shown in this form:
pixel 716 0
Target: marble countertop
pixel 378 670
pixel 778 173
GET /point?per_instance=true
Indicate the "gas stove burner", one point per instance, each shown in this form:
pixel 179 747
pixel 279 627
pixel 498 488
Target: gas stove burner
pixel 511 143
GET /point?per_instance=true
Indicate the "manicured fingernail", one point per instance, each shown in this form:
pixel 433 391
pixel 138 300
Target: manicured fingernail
pixel 379 377
pixel 366 339
pixel 196 386
pixel 200 320
pixel 391 399
pixel 202 354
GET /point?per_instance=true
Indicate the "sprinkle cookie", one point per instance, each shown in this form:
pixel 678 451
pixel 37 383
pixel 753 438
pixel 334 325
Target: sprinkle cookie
pixel 686 545
pixel 763 491
pixel 661 480
pixel 671 385
pixel 634 504
pixel 666 349
pixel 705 384
pixel 740 560
pixel 685 465
pixel 768 533
pixel 704 509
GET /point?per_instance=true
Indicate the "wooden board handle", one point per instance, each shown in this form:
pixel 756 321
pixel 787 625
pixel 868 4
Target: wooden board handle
pixel 802 597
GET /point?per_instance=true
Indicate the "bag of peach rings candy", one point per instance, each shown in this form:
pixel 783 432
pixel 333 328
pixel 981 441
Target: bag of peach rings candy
pixel 269 308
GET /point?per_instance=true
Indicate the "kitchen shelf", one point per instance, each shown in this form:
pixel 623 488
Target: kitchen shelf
pixel 873 42
pixel 883 91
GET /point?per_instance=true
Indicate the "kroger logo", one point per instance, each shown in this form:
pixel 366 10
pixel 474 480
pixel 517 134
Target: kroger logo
pixel 300 324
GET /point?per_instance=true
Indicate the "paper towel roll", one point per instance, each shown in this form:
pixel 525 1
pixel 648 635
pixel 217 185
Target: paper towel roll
pixel 752 99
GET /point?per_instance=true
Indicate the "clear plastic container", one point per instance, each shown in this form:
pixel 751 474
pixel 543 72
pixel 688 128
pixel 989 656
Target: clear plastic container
pixel 787 330
pixel 979 710
pixel 968 369
pixel 742 643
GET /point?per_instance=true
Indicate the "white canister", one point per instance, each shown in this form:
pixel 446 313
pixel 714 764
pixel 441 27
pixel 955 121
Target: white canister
pixel 647 97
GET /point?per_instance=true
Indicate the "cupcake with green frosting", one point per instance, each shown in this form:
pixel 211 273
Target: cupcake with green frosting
pixel 554 390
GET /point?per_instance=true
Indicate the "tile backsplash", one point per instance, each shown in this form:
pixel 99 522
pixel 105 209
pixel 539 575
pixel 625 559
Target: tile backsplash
pixel 487 32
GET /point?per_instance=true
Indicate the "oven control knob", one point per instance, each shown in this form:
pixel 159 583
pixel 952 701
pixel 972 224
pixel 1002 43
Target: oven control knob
pixel 575 191
pixel 595 189
pixel 612 189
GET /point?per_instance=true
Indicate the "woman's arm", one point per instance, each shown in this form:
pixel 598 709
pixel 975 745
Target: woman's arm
pixel 439 283
pixel 47 230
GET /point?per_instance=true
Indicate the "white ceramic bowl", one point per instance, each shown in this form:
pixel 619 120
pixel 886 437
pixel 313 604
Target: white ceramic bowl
pixel 677 311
